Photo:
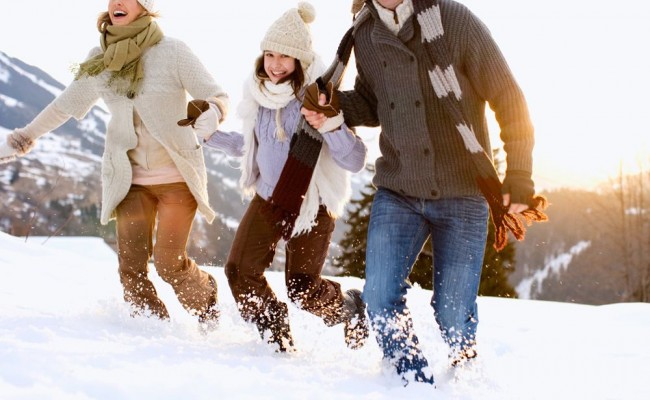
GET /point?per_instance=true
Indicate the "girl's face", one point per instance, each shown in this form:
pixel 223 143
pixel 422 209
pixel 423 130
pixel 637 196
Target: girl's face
pixel 123 12
pixel 278 66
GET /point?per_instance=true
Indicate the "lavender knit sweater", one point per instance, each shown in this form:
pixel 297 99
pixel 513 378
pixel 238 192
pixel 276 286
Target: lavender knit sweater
pixel 347 150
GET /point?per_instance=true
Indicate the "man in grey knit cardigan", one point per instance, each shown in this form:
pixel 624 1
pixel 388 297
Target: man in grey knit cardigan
pixel 426 178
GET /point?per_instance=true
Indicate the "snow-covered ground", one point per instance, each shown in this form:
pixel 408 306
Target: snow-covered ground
pixel 65 333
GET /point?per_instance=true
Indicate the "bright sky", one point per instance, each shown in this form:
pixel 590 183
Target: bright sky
pixel 583 64
pixel 65 333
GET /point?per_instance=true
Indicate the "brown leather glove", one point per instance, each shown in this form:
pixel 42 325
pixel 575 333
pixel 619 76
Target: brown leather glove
pixel 194 109
pixel 331 107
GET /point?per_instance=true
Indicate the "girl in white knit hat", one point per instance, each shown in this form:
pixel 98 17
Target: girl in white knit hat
pixel 271 110
pixel 153 172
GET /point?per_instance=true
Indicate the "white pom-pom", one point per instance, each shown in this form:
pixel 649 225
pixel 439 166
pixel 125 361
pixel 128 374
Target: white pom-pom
pixel 307 12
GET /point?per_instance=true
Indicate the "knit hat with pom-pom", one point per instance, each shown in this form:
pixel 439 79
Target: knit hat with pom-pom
pixel 147 4
pixel 290 34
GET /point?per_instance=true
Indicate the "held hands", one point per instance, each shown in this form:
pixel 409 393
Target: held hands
pixel 203 117
pixel 321 107
pixel 315 118
pixel 207 123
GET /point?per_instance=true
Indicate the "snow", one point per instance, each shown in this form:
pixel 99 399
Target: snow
pixel 9 102
pixel 6 76
pixel 65 333
pixel 553 267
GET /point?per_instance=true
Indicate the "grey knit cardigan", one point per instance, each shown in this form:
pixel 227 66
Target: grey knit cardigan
pixel 422 154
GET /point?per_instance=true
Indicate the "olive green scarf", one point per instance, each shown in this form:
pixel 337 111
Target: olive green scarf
pixel 122 48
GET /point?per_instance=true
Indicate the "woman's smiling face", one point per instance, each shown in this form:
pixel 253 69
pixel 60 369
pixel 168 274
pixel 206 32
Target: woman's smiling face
pixel 278 66
pixel 123 12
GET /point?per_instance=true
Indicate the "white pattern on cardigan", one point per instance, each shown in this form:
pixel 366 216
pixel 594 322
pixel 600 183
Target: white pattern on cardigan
pixel 445 82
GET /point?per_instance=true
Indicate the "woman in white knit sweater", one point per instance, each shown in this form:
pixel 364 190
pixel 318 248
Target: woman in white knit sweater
pixel 153 171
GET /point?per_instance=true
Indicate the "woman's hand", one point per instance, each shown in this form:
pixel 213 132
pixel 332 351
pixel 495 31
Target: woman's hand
pixel 207 123
pixel 315 118
pixel 7 153
pixel 319 120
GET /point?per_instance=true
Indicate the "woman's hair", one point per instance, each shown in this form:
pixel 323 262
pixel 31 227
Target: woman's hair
pixel 297 78
pixel 104 19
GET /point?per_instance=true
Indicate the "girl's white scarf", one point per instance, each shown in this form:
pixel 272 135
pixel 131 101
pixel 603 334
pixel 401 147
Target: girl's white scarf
pixel 272 96
pixel 330 183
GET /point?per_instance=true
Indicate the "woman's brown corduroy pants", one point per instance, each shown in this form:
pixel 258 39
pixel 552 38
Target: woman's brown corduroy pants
pixel 174 208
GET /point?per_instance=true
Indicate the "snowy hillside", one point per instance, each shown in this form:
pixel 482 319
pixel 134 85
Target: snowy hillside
pixel 65 333
pixel 25 90
pixel 38 190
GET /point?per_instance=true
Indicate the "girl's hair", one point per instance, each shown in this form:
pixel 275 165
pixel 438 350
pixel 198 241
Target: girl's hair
pixel 104 19
pixel 297 78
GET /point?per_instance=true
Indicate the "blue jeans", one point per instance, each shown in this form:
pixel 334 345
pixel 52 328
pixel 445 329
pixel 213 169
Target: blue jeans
pixel 398 229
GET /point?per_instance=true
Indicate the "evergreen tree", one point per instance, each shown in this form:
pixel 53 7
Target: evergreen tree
pixel 497 267
pixel 353 245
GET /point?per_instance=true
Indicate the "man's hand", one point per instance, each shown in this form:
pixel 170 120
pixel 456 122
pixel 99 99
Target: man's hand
pixel 515 208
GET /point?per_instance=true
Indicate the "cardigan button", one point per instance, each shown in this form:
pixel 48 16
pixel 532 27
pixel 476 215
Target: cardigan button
pixel 434 193
pixel 417 103
pixel 392 106
pixel 427 152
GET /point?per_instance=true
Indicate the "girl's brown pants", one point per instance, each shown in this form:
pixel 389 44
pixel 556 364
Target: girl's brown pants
pixel 252 252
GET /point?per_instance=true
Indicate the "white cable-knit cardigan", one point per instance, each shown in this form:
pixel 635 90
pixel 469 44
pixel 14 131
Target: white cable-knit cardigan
pixel 171 71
